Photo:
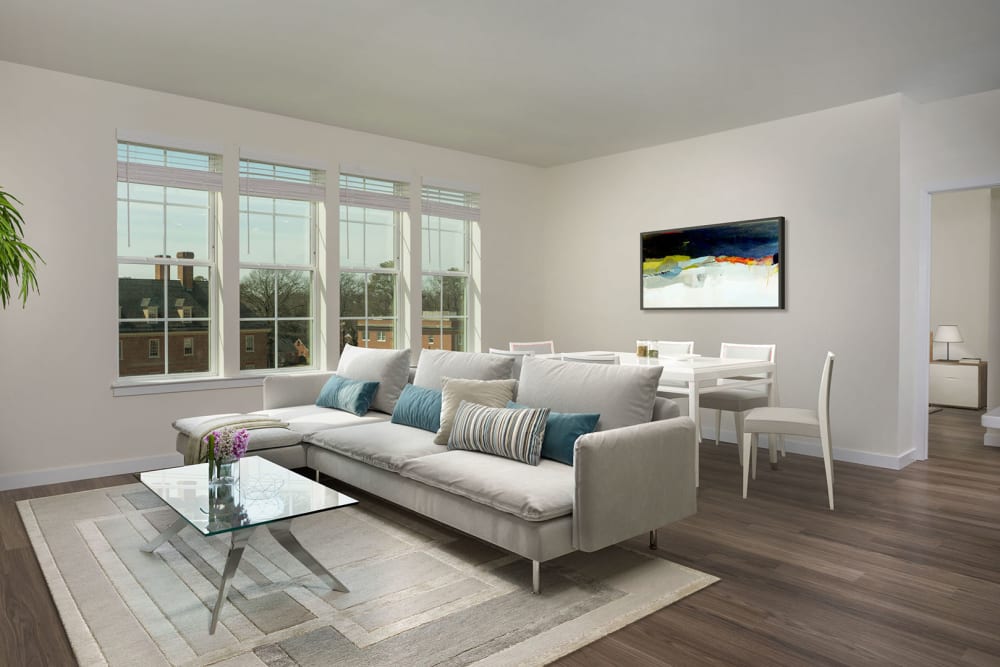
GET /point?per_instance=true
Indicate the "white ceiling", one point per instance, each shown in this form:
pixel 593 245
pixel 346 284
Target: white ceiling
pixel 542 82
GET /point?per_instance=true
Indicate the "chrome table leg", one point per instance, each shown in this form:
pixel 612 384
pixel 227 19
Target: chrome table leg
pixel 238 544
pixel 282 532
pixel 155 543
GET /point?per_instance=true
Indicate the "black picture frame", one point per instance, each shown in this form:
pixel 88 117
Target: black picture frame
pixel 738 265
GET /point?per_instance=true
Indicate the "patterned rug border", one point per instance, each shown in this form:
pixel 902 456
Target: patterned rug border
pixel 88 651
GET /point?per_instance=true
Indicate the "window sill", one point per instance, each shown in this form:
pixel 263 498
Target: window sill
pixel 146 386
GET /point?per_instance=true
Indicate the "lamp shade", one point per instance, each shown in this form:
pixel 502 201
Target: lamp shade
pixel 947 333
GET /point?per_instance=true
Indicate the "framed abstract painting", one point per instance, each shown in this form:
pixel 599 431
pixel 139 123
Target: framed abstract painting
pixel 727 265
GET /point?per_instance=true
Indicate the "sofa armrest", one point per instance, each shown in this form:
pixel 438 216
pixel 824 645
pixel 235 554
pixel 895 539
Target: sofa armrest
pixel 631 480
pixel 282 391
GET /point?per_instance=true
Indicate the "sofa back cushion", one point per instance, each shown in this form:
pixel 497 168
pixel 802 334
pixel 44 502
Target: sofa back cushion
pixel 622 395
pixel 390 368
pixel 434 365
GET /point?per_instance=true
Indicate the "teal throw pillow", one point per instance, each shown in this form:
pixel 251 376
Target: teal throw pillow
pixel 353 396
pixel 512 434
pixel 561 431
pixel 419 407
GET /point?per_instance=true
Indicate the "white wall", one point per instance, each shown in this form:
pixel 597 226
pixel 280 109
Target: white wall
pixel 57 356
pixel 835 176
pixel 947 145
pixel 993 303
pixel 960 269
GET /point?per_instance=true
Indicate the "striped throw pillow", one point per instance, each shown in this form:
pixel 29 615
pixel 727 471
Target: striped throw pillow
pixel 512 434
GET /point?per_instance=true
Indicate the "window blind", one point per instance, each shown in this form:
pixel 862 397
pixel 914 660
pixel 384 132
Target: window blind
pixel 260 179
pixel 369 192
pixel 149 165
pixel 446 203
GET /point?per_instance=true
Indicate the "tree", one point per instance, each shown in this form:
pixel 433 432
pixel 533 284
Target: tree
pixel 263 290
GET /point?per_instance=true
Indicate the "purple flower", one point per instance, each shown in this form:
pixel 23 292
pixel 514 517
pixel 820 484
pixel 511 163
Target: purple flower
pixel 240 441
pixel 230 443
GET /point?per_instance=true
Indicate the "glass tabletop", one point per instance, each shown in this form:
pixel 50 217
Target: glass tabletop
pixel 261 492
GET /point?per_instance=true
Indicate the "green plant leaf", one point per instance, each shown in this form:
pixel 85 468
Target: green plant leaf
pixel 17 258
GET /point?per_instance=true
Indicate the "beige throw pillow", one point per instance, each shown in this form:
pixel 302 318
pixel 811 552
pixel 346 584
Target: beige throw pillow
pixel 491 393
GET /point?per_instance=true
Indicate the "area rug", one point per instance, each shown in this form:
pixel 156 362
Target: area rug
pixel 420 594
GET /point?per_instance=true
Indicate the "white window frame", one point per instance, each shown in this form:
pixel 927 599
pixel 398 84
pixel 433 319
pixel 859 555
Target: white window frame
pixel 249 343
pixel 177 177
pixel 188 352
pixel 154 348
pixel 357 198
pixel 468 215
pixel 313 193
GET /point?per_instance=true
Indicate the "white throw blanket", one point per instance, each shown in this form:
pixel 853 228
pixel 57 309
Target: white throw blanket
pixel 197 448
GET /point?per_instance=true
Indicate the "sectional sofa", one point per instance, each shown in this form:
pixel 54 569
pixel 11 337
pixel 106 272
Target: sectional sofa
pixel 634 473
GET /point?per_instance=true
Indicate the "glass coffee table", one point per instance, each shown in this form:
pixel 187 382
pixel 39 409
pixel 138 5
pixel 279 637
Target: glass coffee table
pixel 262 494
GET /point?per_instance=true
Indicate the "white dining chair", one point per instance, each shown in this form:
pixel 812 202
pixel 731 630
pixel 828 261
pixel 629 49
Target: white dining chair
pixel 609 358
pixel 736 399
pixel 674 348
pixel 518 359
pixel 538 347
pixel 791 421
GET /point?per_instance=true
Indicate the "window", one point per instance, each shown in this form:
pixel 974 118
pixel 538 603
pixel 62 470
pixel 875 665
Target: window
pixel 446 232
pixel 167 209
pixel 189 346
pixel 372 212
pixel 380 336
pixel 278 213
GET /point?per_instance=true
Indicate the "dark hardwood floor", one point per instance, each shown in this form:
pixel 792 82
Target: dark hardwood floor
pixel 906 571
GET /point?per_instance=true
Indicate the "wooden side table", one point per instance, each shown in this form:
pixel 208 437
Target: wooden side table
pixel 958 385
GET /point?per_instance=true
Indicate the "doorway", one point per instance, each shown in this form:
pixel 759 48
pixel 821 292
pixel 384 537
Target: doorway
pixel 964 316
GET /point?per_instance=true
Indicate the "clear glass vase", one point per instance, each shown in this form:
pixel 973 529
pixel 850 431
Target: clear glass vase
pixel 227 471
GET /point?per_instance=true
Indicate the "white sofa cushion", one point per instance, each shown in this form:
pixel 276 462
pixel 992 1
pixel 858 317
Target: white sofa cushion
pixel 434 365
pixel 533 493
pixel 384 445
pixel 390 368
pixel 260 438
pixel 622 395
pixel 308 419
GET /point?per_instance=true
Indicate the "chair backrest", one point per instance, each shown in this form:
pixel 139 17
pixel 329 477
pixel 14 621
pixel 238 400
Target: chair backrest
pixel 592 358
pixel 668 348
pixel 823 410
pixel 744 351
pixel 747 351
pixel 538 347
pixel 518 358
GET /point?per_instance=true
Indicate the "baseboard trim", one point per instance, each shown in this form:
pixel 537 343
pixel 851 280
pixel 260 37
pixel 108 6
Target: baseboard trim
pixel 811 447
pixel 73 473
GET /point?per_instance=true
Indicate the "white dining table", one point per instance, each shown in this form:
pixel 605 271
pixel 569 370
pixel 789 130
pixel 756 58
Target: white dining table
pixel 698 375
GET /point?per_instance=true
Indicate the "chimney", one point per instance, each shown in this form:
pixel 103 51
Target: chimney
pixel 185 274
pixel 162 271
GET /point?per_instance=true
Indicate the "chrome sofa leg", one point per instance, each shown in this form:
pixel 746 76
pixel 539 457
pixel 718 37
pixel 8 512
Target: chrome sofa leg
pixel 652 539
pixel 536 577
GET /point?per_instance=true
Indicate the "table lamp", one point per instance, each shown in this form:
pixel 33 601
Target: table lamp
pixel 947 334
